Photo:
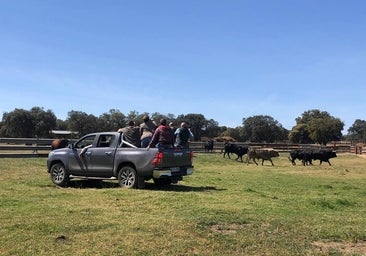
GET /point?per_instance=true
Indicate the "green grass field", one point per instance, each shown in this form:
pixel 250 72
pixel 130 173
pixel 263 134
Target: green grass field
pixel 224 208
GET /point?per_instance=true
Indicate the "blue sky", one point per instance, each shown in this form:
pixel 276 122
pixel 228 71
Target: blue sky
pixel 227 60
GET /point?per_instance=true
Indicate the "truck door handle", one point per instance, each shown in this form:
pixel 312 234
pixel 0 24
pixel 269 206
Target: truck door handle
pixel 108 153
pixel 87 153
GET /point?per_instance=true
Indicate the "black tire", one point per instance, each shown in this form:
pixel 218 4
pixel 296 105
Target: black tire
pixel 127 177
pixel 59 175
pixel 163 182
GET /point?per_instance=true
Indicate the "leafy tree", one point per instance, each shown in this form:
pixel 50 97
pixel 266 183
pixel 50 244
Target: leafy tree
pixel 300 134
pixel 357 131
pixel 219 131
pixel 61 125
pixel 263 128
pixel 82 123
pixel 156 117
pixel 133 115
pixel 196 122
pixel 211 129
pixel 318 126
pixel 43 122
pixel 111 121
pixel 24 123
pixel 18 124
pixel 170 117
pixel 325 130
pixel 234 133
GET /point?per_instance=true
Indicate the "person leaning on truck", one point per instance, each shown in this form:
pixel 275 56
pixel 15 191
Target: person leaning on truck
pixel 147 129
pixel 131 134
pixel 163 136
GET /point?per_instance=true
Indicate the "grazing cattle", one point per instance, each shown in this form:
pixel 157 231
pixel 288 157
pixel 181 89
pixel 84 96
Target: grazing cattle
pixel 308 155
pixel 209 146
pixel 264 154
pixel 234 149
pixel 59 143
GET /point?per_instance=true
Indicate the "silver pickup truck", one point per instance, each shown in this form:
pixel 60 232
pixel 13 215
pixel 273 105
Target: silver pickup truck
pixel 106 155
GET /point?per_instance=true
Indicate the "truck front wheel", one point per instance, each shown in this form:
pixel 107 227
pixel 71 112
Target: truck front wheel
pixel 59 175
pixel 127 177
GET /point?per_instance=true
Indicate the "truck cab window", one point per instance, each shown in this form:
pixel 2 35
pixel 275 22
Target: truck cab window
pixel 105 141
pixel 85 142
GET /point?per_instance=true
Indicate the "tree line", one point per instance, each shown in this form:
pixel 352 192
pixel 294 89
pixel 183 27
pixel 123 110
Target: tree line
pixel 313 126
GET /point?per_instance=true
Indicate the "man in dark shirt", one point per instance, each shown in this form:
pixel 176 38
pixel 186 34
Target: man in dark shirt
pixel 182 136
pixel 163 136
pixel 131 134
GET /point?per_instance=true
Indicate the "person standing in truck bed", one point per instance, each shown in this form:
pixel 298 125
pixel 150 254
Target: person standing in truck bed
pixel 131 134
pixel 147 129
pixel 163 136
pixel 182 136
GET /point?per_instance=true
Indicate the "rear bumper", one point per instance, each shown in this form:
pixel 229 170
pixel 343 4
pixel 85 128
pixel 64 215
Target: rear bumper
pixel 173 172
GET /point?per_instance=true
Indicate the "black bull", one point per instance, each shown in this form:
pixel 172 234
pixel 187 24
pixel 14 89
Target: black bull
pixel 306 156
pixel 234 149
pixel 209 146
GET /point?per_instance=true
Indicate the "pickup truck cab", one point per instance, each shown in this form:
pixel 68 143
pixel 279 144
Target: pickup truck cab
pixel 106 155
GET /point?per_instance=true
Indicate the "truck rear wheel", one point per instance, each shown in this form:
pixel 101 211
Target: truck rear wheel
pixel 127 177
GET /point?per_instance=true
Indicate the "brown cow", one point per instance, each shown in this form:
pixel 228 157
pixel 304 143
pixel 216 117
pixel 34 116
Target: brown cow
pixel 264 154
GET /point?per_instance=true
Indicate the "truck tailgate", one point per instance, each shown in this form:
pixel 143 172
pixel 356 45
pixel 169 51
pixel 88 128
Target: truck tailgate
pixel 175 158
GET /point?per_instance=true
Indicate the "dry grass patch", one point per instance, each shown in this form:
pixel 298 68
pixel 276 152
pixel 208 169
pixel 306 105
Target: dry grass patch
pixel 345 248
pixel 226 229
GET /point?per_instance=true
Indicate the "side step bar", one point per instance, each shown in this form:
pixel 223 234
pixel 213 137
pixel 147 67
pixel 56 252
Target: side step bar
pixel 91 178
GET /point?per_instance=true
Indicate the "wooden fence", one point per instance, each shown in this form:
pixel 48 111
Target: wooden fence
pixel 35 147
pixel 341 147
pixel 24 147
